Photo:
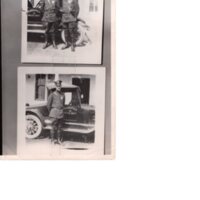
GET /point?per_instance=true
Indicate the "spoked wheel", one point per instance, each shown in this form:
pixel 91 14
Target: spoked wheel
pixel 33 126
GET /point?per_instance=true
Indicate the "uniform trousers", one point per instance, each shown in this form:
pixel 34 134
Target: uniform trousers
pixel 70 31
pixel 56 129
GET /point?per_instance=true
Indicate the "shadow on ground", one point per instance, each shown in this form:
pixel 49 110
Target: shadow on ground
pixel 69 136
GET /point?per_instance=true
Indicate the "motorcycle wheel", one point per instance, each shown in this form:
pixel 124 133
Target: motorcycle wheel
pixel 79 40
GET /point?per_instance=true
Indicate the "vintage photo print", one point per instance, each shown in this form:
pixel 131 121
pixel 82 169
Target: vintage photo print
pixel 62 31
pixel 61 112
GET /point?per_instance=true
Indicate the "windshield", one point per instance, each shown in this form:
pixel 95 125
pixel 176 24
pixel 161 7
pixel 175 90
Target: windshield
pixel 68 98
pixel 72 97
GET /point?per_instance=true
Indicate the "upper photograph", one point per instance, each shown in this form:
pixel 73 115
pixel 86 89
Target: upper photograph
pixel 62 31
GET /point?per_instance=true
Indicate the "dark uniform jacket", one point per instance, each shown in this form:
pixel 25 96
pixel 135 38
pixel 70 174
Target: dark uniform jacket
pixel 55 105
pixel 51 10
pixel 70 11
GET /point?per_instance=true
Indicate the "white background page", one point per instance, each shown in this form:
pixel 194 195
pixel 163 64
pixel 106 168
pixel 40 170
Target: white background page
pixel 158 116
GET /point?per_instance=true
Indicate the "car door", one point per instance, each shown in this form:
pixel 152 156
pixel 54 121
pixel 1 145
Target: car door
pixel 71 109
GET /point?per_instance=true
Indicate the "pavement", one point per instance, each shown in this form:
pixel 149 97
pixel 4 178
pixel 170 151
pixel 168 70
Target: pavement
pixel 86 53
pixel 69 146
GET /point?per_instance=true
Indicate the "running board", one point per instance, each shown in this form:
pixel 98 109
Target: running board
pixel 35 31
pixel 74 130
pixel 81 131
pixel 79 124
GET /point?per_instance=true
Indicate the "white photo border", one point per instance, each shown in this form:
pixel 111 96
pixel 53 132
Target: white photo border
pixel 97 152
pixel 73 58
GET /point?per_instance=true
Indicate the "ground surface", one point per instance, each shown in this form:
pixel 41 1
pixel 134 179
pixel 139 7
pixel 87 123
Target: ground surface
pixel 84 53
pixel 72 144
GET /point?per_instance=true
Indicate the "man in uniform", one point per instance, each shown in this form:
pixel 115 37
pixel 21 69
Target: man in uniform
pixel 55 105
pixel 70 13
pixel 50 21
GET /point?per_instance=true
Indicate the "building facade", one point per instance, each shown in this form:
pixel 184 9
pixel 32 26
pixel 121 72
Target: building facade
pixel 37 92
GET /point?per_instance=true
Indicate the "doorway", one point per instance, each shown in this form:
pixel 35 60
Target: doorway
pixel 84 85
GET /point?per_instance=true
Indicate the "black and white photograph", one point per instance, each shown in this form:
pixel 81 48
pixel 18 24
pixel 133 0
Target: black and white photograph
pixel 61 112
pixel 67 41
pixel 62 31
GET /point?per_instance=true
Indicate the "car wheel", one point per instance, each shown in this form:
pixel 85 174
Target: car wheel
pixel 33 126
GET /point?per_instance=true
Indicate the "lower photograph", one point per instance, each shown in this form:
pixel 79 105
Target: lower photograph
pixel 61 112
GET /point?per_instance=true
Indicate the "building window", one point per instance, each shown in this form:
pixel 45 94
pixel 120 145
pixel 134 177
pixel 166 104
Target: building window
pixel 40 86
pixel 51 77
pixel 96 6
pixel 93 6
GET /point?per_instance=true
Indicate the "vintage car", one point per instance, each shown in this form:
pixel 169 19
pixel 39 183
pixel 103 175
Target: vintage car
pixel 35 26
pixel 78 118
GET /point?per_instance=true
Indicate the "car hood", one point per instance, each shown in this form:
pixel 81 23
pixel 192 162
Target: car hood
pixel 87 107
pixel 37 106
pixel 83 106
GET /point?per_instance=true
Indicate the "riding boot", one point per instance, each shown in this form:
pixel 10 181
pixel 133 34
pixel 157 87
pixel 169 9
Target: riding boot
pixel 73 47
pixel 52 136
pixel 72 37
pixel 73 40
pixel 59 137
pixel 66 45
pixel 54 41
pixel 46 44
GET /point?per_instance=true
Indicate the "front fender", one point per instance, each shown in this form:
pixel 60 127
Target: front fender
pixel 38 114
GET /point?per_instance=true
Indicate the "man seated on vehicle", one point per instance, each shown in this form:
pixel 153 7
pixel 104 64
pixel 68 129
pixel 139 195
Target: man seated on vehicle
pixel 55 105
pixel 70 11
pixel 50 20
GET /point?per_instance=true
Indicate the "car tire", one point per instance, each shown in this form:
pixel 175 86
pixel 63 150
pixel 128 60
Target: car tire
pixel 33 126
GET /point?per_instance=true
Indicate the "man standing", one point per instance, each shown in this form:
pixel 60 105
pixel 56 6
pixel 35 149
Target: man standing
pixel 55 105
pixel 70 13
pixel 50 21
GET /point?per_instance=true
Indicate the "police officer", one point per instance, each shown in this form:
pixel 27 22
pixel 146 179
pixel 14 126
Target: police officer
pixel 55 105
pixel 50 20
pixel 70 11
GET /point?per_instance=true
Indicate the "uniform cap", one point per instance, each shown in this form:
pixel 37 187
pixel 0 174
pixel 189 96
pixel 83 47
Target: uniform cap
pixel 58 82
